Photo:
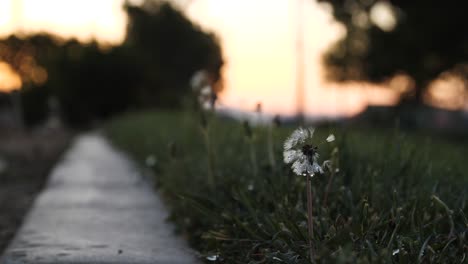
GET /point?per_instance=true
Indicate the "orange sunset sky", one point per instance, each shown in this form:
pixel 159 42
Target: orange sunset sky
pixel 258 39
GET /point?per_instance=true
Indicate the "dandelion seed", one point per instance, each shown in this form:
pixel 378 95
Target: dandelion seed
pixel 212 257
pixel 278 259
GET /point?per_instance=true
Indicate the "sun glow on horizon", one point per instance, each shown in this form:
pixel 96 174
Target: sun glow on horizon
pixel 258 39
pixel 103 20
pixel 259 43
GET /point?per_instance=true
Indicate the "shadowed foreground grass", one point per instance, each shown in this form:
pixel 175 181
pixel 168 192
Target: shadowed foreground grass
pixel 395 197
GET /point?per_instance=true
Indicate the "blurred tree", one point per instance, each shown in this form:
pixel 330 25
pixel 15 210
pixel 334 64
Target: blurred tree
pixel 27 56
pixel 170 49
pixel 152 68
pixel 419 38
pixel 93 85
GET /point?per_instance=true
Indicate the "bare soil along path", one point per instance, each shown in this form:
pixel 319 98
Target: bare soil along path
pixel 97 208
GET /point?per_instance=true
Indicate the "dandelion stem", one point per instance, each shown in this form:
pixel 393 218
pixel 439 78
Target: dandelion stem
pixel 333 165
pixel 310 225
pixel 271 155
pixel 206 135
pixel 253 158
pixel 251 141
pixel 327 190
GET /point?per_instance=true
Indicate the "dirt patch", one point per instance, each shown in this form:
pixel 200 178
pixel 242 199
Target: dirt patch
pixel 26 158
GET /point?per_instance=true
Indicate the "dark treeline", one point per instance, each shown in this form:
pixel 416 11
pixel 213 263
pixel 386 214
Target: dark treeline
pixel 429 38
pixel 151 68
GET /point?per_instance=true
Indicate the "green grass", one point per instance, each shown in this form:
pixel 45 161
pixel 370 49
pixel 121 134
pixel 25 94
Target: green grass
pixel 394 191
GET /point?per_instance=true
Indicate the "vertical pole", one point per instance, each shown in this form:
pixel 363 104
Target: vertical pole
pixel 300 63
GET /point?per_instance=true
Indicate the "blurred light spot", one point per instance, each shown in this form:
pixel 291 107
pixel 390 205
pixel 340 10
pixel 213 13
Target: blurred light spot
pixel 449 92
pixel 383 16
pixel 402 83
pixel 39 75
pixel 326 7
pixel 361 19
pixel 9 79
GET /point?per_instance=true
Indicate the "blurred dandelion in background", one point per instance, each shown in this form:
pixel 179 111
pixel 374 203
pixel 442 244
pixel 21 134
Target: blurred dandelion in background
pixel 202 86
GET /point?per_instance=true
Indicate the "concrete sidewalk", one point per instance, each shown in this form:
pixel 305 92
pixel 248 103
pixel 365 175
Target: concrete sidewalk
pixel 97 209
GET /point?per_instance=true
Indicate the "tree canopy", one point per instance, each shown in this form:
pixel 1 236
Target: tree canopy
pixel 419 38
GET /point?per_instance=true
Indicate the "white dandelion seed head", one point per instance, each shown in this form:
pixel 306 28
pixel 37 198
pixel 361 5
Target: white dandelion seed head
pixel 303 157
pixel 331 138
